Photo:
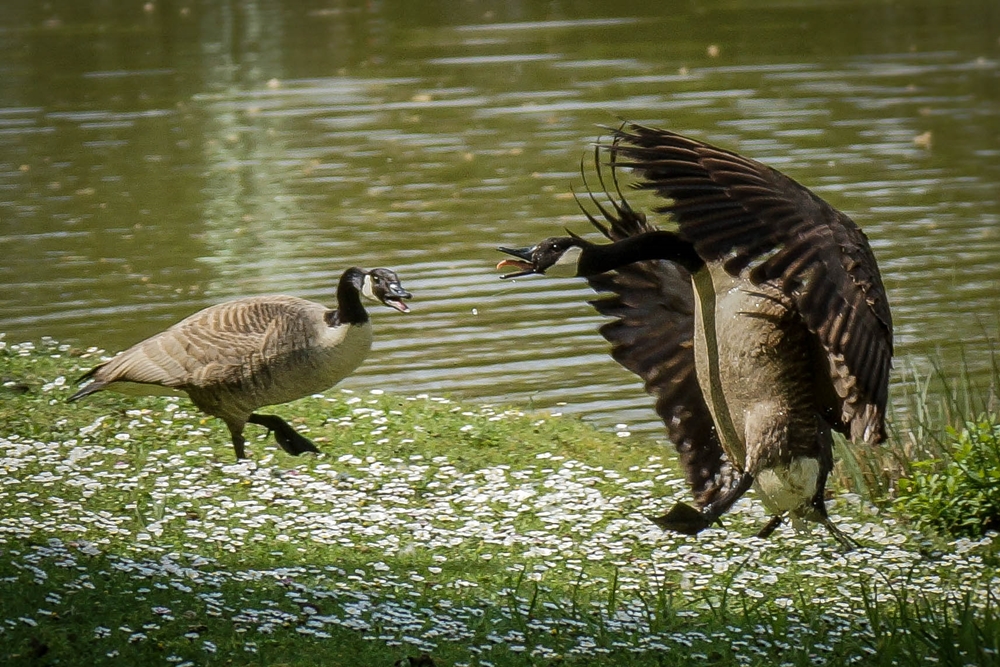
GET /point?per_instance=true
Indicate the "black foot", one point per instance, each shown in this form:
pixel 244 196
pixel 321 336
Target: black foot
pixel 849 543
pixel 286 436
pixel 684 519
pixel 818 513
pixel 687 520
pixel 771 526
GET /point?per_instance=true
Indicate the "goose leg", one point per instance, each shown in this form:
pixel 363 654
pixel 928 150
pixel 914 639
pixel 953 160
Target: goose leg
pixel 687 520
pixel 771 526
pixel 287 437
pixel 820 515
pixel 236 432
pixel 818 504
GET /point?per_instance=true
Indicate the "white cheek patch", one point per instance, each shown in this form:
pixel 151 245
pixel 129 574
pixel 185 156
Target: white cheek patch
pixel 566 266
pixel 368 289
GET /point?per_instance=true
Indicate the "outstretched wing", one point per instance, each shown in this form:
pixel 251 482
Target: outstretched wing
pixel 652 304
pixel 756 220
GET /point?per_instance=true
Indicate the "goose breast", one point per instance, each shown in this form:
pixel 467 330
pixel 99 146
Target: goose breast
pixel 753 366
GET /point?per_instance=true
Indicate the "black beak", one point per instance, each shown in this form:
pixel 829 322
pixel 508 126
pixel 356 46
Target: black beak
pixel 523 262
pixel 394 297
pixel 398 292
pixel 520 253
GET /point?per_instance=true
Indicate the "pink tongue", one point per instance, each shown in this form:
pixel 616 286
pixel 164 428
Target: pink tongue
pixel 503 263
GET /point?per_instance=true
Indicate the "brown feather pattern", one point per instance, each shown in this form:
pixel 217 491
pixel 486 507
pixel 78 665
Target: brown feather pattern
pixel 238 356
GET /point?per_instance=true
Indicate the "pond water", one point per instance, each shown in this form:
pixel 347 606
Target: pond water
pixel 158 158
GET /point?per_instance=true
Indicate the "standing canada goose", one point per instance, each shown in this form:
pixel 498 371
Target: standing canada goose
pixel 238 356
pixel 759 325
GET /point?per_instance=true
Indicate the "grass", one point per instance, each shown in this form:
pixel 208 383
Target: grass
pixel 935 404
pixel 477 535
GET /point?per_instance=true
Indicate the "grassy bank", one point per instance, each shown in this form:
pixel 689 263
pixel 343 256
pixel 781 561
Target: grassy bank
pixel 477 535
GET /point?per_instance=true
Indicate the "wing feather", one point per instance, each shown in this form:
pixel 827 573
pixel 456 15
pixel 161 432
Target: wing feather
pixel 217 345
pixel 652 304
pixel 757 220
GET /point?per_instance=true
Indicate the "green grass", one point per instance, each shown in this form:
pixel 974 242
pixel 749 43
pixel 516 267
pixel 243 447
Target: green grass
pixel 941 466
pixel 929 408
pixel 478 535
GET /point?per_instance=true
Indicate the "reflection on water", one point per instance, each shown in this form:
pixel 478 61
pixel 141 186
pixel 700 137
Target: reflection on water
pixel 159 158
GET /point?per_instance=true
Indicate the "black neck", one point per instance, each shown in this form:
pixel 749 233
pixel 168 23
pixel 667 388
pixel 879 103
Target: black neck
pixel 350 310
pixel 650 245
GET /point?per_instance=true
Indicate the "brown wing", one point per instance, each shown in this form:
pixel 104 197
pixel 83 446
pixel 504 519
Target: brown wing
pixel 652 305
pixel 756 220
pixel 215 345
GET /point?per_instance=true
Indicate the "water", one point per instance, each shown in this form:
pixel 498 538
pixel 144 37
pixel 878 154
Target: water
pixel 156 159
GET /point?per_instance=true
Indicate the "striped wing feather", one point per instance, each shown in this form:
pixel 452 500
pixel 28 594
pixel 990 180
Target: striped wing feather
pixel 651 335
pixel 758 221
pixel 216 345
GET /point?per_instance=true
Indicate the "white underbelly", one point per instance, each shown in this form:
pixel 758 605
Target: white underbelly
pixel 786 488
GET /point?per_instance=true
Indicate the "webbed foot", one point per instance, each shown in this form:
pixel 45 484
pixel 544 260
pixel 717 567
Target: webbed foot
pixel 847 542
pixel 287 437
pixel 684 519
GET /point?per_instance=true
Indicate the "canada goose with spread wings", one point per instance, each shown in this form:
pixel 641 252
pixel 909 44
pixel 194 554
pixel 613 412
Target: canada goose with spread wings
pixel 759 325
pixel 235 357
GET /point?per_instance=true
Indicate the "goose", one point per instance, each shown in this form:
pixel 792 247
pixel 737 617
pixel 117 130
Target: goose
pixel 760 324
pixel 235 357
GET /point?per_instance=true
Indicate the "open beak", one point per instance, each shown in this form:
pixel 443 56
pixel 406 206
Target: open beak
pixel 394 299
pixel 522 262
pixel 398 305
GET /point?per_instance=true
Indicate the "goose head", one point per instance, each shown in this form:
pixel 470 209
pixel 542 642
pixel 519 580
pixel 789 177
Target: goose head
pixel 556 256
pixel 383 286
